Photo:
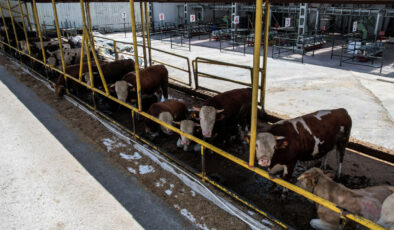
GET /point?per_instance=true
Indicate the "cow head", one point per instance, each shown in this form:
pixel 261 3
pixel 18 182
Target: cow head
pixel 208 115
pixel 186 126
pixel 266 144
pixel 167 118
pixel 309 179
pixel 122 89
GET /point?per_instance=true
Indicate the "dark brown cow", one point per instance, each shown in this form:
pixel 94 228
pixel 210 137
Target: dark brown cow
pixel 225 111
pixel 304 138
pixel 72 70
pixel 167 111
pixel 152 79
pixel 112 71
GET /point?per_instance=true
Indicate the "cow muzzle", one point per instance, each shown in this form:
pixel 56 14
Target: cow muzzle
pixel 207 134
pixel 185 143
pixel 264 162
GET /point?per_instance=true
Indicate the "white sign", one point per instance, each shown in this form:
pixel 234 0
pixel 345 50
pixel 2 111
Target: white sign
pixel 124 15
pixel 161 16
pixel 192 18
pixel 287 22
pixel 354 26
pixel 236 20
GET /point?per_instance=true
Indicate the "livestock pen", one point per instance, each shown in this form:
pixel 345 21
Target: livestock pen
pixel 257 82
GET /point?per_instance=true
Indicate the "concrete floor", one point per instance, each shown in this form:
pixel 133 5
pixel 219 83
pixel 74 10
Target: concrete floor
pixel 49 178
pixel 294 89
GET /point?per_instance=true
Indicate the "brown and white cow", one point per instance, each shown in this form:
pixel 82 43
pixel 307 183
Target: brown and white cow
pixel 166 111
pixel 365 202
pixel 387 214
pixel 224 112
pixel 187 126
pixel 152 79
pixel 304 138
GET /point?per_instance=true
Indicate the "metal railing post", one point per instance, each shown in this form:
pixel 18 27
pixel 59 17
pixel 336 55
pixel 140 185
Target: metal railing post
pixel 266 36
pixel 24 27
pixel 255 83
pixel 147 19
pixel 143 34
pixel 116 51
pixel 137 67
pixel 13 25
pixel 28 17
pixel 5 26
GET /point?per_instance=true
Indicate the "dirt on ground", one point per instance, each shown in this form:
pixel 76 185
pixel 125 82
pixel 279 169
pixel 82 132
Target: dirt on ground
pixel 358 171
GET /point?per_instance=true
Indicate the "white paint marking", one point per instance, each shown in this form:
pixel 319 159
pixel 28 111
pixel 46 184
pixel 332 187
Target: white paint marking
pixel 317 143
pixel 294 122
pixel 321 113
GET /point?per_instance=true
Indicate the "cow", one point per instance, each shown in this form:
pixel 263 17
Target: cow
pixel 166 111
pixel 365 202
pixel 304 138
pixel 72 70
pixel 152 79
pixel 387 214
pixel 112 71
pixel 187 126
pixel 224 112
pixel 70 56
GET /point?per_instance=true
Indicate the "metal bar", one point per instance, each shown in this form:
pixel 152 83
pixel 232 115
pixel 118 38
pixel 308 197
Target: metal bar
pixel 90 26
pixel 203 172
pixel 13 25
pixel 137 68
pixel 28 17
pixel 147 19
pixel 24 27
pixel 82 56
pixel 143 33
pixel 264 72
pixel 255 83
pixel 38 29
pixel 115 51
pixel 59 36
pixel 5 26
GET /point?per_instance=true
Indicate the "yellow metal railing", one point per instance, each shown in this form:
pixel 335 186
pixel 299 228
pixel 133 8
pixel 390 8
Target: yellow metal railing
pixel 87 44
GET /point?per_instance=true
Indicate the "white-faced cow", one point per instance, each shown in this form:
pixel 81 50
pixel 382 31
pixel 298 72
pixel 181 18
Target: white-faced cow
pixel 387 214
pixel 365 202
pixel 221 114
pixel 304 138
pixel 152 79
pixel 187 126
pixel 167 111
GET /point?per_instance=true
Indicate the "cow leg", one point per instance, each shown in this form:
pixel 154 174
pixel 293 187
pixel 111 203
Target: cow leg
pixel 164 88
pixel 320 224
pixel 340 155
pixel 323 165
pixel 179 143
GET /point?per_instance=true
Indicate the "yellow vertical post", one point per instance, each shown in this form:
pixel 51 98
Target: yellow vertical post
pixel 266 34
pixel 13 24
pixel 38 29
pixel 85 36
pixel 59 36
pixel 116 52
pixel 5 26
pixel 147 19
pixel 143 33
pixel 89 46
pixel 90 26
pixel 137 67
pixel 24 26
pixel 81 58
pixel 255 83
pixel 28 16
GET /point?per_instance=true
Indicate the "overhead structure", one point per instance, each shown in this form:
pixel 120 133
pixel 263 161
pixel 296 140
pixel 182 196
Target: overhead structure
pixel 88 46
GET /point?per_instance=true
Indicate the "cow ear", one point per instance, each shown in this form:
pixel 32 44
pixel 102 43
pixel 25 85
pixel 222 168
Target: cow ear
pixel 220 117
pixel 176 122
pixel 196 109
pixel 219 110
pixel 281 144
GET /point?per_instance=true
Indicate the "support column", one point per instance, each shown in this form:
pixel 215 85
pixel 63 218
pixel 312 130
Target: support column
pixel 302 24
pixel 378 24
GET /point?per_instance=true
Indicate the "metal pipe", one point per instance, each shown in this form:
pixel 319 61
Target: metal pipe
pixel 24 27
pixel 90 26
pixel 5 26
pixel 143 33
pixel 28 17
pixel 137 67
pixel 255 83
pixel 38 29
pixel 264 73
pixel 13 24
pixel 82 57
pixel 147 19
pixel 59 36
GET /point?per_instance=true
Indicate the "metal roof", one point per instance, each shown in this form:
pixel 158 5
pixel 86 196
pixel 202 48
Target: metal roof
pixel 239 1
